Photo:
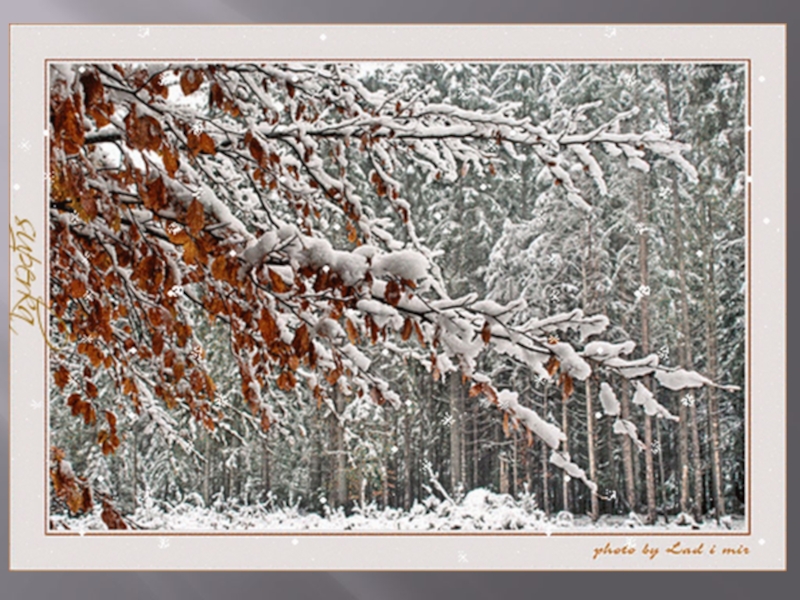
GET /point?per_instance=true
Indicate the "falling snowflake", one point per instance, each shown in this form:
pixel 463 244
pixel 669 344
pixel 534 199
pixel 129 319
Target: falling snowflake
pixel 163 543
pixel 144 32
pixel 175 291
pixel 655 447
pixel 688 400
pixel 610 32
pixel 36 404
pixel 16 187
pixel 462 557
pixel 448 420
pixel 25 146
pixel 197 127
pixel 630 542
pixel 295 541
pixel 323 37
pixel 699 254
pixel 643 290
pixel 232 253
pixel 133 350
pixel 598 415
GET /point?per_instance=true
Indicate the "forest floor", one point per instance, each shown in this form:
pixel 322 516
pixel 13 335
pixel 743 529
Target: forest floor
pixel 479 511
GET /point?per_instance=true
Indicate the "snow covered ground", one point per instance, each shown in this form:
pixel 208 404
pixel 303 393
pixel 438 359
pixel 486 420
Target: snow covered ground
pixel 479 511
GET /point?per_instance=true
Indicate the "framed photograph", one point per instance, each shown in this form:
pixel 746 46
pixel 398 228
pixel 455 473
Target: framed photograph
pixel 398 297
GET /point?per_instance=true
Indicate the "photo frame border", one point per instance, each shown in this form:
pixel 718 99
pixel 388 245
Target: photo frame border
pixel 192 32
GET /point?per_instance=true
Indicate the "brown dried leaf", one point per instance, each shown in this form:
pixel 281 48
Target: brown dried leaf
pixel 486 332
pixel 61 377
pixel 408 329
pixel 352 332
pixel 195 217
pixel 301 341
pixel 286 381
pixel 191 80
pixel 552 365
pixel 200 143
pixel 111 517
pixel 268 327
pixel 392 293
pixel 278 284
pixel 567 384
pixel 170 158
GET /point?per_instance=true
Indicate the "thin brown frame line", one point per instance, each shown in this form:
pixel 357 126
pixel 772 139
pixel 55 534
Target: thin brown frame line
pixel 695 533
pixel 10 297
pixel 46 203
pixel 463 534
pixel 516 60
pixel 749 304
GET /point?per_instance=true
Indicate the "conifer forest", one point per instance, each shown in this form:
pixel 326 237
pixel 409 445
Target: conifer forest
pixel 389 297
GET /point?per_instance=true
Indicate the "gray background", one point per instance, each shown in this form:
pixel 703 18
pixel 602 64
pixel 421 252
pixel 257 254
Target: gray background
pixel 364 586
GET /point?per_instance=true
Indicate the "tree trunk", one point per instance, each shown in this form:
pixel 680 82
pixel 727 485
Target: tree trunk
pixel 476 448
pixel 503 474
pixel 265 467
pixel 662 479
pixel 315 460
pixel 407 499
pixel 341 452
pixel 686 342
pixel 207 469
pixel 595 510
pixel 587 271
pixel 711 353
pixel 135 469
pixel 545 463
pixel 456 475
pixel 644 313
pixel 515 462
pixel 627 451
